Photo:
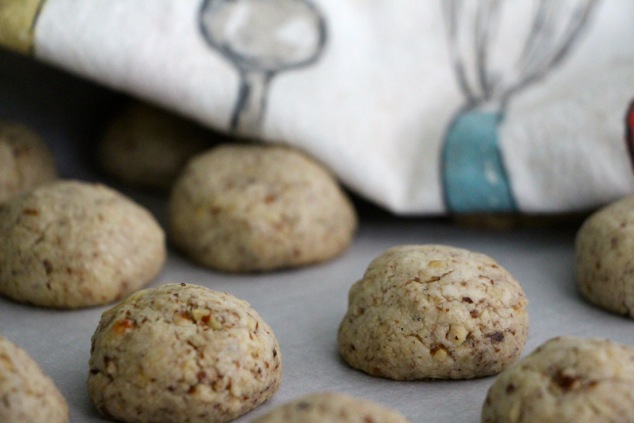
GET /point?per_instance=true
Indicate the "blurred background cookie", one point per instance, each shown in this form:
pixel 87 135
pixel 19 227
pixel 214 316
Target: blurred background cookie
pixel 433 312
pixel 27 395
pixel 249 208
pixel 145 146
pixel 182 353
pixel 72 244
pixel 25 160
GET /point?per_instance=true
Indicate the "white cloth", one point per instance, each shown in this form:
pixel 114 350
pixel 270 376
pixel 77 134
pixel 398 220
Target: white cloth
pixel 371 88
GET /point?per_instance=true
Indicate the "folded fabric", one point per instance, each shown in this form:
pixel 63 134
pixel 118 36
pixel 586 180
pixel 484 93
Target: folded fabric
pixel 423 107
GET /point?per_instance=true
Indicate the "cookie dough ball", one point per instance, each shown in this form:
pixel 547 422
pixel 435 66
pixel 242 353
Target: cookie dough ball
pixel 246 208
pixel 433 312
pixel 333 408
pixel 26 394
pixel 71 244
pixel 567 379
pixel 182 353
pixel 604 255
pixel 147 147
pixel 25 161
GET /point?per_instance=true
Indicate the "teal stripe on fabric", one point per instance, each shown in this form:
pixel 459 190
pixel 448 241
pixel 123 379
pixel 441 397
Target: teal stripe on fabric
pixel 474 177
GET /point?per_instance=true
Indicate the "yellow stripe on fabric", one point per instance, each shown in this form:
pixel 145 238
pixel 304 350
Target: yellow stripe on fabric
pixel 17 24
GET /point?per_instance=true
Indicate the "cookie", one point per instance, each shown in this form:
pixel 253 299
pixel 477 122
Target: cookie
pixel 182 353
pixel 433 312
pixel 567 379
pixel 25 160
pixel 71 244
pixel 249 208
pixel 147 147
pixel 333 408
pixel 27 395
pixel 604 263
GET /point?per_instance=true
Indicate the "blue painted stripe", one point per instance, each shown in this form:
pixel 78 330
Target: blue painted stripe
pixel 474 177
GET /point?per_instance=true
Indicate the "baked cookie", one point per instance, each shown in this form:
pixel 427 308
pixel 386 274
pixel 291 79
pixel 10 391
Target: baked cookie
pixel 147 147
pixel 182 353
pixel 71 244
pixel 248 208
pixel 25 160
pixel 333 408
pixel 27 395
pixel 566 379
pixel 604 257
pixel 433 312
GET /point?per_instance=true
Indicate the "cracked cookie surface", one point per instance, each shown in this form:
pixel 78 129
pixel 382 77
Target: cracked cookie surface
pixel 27 395
pixel 72 244
pixel 433 312
pixel 331 407
pixel 566 379
pixel 182 353
pixel 25 160
pixel 250 208
pixel 604 257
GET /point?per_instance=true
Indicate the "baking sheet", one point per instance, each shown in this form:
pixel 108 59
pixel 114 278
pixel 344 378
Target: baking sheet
pixel 303 306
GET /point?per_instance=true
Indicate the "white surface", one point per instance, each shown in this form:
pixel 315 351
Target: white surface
pixel 304 306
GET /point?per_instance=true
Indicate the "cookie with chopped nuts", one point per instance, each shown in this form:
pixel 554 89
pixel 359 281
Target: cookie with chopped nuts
pixel 333 408
pixel 433 312
pixel 182 353
pixel 27 395
pixel 603 257
pixel 25 160
pixel 250 208
pixel 72 244
pixel 147 147
pixel 566 379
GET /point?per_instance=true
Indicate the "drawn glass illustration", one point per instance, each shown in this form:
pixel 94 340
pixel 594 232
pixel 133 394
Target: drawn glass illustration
pixel 473 171
pixel 261 38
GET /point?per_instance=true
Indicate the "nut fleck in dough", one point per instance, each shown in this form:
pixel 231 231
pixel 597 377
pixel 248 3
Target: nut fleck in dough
pixel 566 380
pixel 147 147
pixel 332 408
pixel 26 394
pixel 433 312
pixel 182 353
pixel 605 257
pixel 71 244
pixel 25 161
pixel 255 208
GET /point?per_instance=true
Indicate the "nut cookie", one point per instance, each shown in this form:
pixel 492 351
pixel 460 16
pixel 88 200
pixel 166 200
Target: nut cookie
pixel 248 208
pixel 147 147
pixel 71 244
pixel 433 312
pixel 331 407
pixel 604 257
pixel 27 395
pixel 25 160
pixel 566 379
pixel 182 353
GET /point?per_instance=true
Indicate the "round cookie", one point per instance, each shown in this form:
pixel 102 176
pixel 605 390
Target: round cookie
pixel 25 160
pixel 147 147
pixel 182 353
pixel 433 312
pixel 248 208
pixel 566 379
pixel 27 395
pixel 333 408
pixel 71 244
pixel 604 257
